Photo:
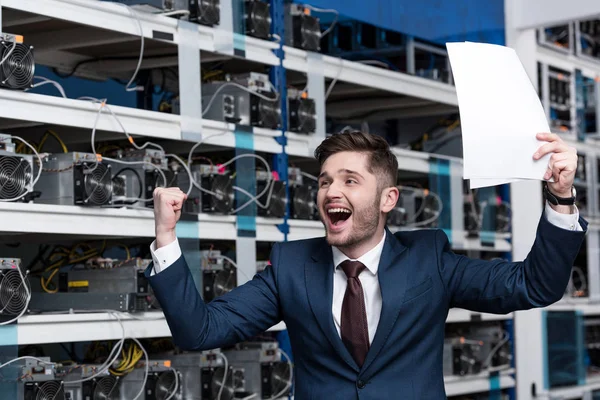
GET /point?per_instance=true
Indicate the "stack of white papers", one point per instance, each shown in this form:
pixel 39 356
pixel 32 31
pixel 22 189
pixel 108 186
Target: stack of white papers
pixel 500 114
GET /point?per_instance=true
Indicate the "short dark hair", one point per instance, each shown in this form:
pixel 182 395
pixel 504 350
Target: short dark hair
pixel 381 162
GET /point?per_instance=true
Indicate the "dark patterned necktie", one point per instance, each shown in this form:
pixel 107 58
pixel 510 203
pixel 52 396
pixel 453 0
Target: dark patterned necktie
pixel 355 331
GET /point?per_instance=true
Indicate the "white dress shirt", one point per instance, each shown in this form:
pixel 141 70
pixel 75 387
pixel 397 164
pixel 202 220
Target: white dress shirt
pixel 167 255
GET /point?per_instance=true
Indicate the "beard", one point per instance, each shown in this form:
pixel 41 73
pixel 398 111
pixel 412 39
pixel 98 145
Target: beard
pixel 365 221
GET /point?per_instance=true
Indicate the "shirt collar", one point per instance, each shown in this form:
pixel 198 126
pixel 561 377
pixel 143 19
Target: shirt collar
pixel 370 259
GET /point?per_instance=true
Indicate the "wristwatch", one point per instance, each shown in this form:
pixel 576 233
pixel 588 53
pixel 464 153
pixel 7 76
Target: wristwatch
pixel 563 201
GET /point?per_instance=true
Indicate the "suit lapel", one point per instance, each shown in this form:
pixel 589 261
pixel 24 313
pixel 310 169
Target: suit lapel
pixel 319 287
pixel 392 281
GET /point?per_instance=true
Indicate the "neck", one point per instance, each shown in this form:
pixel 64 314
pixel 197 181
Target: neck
pixel 360 249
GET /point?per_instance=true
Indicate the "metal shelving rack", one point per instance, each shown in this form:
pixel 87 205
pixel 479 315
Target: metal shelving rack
pixel 103 23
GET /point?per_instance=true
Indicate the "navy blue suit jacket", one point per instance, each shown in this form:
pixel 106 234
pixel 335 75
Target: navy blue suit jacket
pixel 420 279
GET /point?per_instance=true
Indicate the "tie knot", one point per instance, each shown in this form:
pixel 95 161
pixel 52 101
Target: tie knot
pixel 352 269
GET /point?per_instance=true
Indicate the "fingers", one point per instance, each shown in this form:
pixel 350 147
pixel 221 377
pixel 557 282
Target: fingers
pixel 558 162
pixel 172 196
pixel 552 147
pixel 549 137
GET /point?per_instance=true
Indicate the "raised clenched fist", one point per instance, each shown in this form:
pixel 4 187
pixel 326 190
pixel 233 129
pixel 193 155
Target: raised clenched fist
pixel 168 203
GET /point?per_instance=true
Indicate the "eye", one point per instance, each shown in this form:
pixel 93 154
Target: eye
pixel 351 181
pixel 323 183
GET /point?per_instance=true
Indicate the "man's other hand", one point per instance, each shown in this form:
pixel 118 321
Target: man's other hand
pixel 168 203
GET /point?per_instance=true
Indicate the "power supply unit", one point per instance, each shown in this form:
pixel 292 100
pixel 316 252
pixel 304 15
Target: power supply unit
pixel 265 373
pixel 302 114
pixel 16 173
pixel 75 179
pixel 138 181
pixel 235 105
pixel 257 18
pixel 302 30
pixel 274 195
pixel 102 386
pixel 18 69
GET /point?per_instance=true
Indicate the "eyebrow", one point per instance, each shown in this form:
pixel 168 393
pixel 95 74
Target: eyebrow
pixel 343 170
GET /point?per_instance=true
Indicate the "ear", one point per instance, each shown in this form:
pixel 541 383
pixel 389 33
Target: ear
pixel 389 198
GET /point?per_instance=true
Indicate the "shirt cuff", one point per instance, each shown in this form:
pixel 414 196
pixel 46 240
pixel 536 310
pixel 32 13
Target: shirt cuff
pixel 165 256
pixel 569 222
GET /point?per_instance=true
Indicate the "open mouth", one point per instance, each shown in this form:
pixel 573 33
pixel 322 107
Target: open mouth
pixel 338 215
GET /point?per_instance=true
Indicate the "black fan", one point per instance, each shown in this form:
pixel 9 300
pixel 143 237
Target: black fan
pixel 503 215
pixel 303 202
pixel 13 293
pixel 18 68
pixel 222 185
pixel 232 383
pixel 302 115
pixel 280 379
pixel 397 217
pixel 258 19
pixel 107 388
pixel 267 113
pixel 165 385
pixel 224 281
pixel 15 176
pixel 309 32
pixel 49 390
pixel 276 198
pixel 209 12
pixel 98 184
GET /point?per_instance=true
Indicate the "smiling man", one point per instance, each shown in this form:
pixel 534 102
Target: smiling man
pixel 366 309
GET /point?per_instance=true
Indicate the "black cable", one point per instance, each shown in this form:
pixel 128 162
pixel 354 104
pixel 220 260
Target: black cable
pixel 93 60
pixel 139 178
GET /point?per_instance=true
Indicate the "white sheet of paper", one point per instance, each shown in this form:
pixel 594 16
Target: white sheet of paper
pixel 500 114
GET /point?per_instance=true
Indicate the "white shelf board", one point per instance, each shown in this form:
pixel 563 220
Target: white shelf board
pixel 93 326
pixel 582 305
pixel 457 315
pixel 568 62
pixel 120 222
pixel 114 17
pixel 575 392
pixel 374 77
pixel 460 385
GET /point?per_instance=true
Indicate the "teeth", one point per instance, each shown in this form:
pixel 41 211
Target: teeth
pixel 338 210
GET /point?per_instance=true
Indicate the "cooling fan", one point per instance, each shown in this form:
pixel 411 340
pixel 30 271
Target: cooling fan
pixel 222 186
pixel 276 378
pixel 266 113
pixel 97 184
pixel 307 33
pixel 275 196
pixel 16 176
pixel 208 12
pixel 106 388
pixel 397 216
pixel 13 293
pixel 48 390
pixel 18 68
pixel 161 385
pixel 302 115
pixel 258 19
pixel 303 202
pixel 233 383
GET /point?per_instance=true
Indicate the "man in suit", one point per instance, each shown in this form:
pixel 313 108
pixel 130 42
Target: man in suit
pixel 366 309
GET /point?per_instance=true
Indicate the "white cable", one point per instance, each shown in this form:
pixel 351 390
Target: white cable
pixel 139 64
pixel 493 351
pixel 39 170
pixel 12 48
pixel 234 264
pixel 143 388
pixel 255 93
pixel 289 382
pixel 27 290
pixel 334 81
pixel 325 10
pixel 160 171
pixel 268 186
pixel 226 362
pixel 175 12
pixel 306 174
pixel 276 37
pixel 46 81
pixel 176 384
pixel 436 213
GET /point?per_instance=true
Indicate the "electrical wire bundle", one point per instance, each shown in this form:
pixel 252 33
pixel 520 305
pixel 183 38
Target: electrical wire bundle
pixel 130 359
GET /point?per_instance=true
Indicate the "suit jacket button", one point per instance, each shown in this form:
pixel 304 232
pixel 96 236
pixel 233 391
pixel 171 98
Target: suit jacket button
pixel 361 384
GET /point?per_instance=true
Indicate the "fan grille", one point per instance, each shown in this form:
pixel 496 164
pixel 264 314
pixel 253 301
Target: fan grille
pixel 50 390
pixel 307 116
pixel 19 67
pixel 222 186
pixel 165 385
pixel 209 11
pixel 98 184
pixel 225 281
pixel 269 114
pixel 311 33
pixel 107 389
pixel 13 294
pixel 217 381
pixel 259 19
pixel 304 203
pixel 280 377
pixel 15 176
pixel 278 200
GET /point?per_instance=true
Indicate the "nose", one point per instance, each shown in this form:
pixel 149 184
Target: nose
pixel 333 191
